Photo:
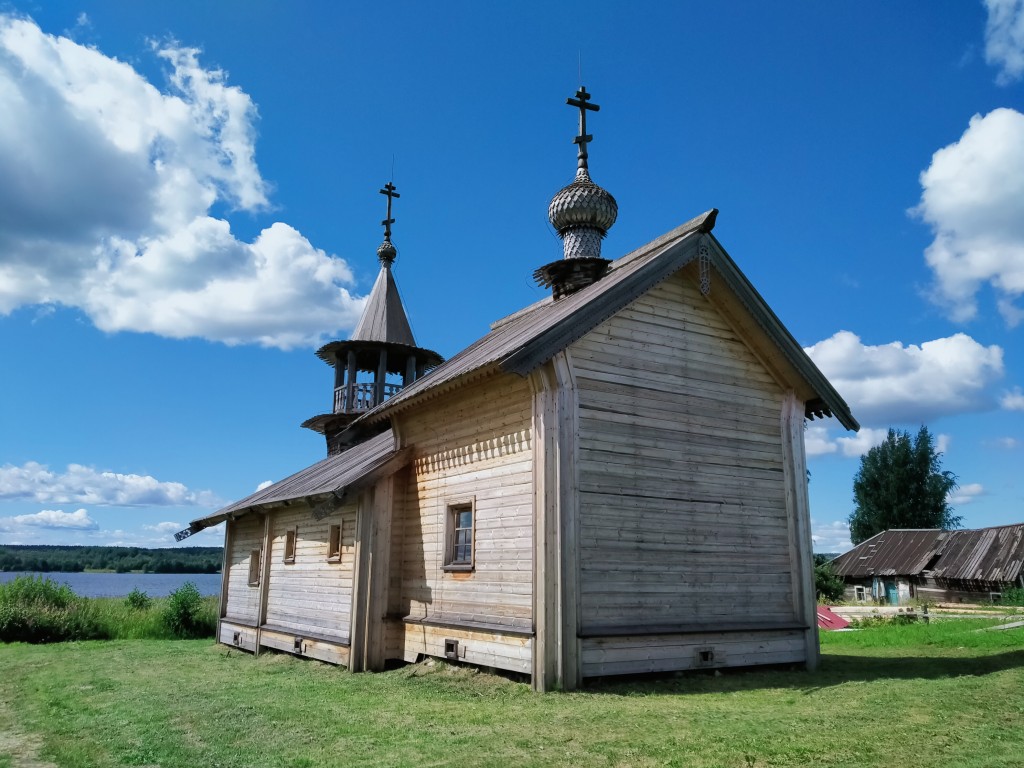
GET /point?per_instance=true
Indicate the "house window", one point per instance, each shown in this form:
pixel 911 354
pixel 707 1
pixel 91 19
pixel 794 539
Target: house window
pixel 289 545
pixel 860 593
pixel 459 536
pixel 334 543
pixel 254 567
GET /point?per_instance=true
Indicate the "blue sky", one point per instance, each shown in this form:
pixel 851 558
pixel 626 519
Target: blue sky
pixel 189 207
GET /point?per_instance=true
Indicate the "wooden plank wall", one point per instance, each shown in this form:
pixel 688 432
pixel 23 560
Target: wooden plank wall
pixel 663 653
pixel 682 498
pixel 486 649
pixel 243 600
pixel 474 445
pixel 927 589
pixel 311 596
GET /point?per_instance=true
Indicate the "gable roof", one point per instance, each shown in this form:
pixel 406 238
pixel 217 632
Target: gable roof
pixel 334 476
pixel 994 555
pixel 525 340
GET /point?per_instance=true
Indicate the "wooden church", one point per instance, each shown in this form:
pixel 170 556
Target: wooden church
pixel 611 481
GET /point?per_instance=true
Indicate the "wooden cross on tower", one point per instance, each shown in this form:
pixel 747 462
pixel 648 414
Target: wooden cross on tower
pixel 389 190
pixel 580 102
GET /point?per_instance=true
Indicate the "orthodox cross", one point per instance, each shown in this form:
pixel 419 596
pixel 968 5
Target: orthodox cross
pixel 580 102
pixel 389 190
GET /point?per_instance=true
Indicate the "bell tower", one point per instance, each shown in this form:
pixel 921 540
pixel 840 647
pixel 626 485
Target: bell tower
pixel 381 356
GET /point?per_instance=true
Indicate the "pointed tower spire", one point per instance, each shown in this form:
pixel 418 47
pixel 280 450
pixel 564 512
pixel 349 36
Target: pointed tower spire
pixel 384 317
pixel 379 358
pixel 581 213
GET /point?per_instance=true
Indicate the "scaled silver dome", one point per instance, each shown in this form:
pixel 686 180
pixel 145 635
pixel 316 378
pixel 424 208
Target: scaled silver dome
pixel 386 252
pixel 582 204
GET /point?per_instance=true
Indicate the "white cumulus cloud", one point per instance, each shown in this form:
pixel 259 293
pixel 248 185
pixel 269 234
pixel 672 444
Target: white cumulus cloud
pixel 819 441
pixel 1013 400
pixel 910 384
pixel 1004 38
pixel 107 193
pixel 56 518
pixel 973 199
pixel 831 537
pixel 264 484
pixel 85 485
pixel 166 528
pixel 965 494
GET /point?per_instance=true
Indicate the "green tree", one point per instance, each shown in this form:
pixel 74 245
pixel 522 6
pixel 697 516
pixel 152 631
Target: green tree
pixel 828 586
pixel 900 484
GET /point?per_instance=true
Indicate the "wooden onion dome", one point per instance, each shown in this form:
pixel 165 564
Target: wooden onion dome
pixel 581 213
pixel 381 356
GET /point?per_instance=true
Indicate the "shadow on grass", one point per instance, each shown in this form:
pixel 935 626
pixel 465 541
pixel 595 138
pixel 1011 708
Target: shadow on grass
pixel 839 668
pixel 835 669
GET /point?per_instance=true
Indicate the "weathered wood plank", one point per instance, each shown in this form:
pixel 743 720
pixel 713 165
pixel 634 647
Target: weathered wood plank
pixel 489 649
pixel 681 469
pixel 477 446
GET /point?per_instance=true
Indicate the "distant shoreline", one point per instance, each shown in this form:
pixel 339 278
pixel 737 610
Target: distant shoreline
pixel 121 584
pixel 55 558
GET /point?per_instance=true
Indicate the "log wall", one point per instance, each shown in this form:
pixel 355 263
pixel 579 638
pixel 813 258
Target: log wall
pixel 683 515
pixel 243 600
pixel 476 446
pixel 311 596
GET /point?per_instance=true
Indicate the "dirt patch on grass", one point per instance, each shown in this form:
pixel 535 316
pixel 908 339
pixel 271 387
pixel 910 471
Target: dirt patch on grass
pixel 20 749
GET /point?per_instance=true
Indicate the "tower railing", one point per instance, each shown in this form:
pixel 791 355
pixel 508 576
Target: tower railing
pixel 362 396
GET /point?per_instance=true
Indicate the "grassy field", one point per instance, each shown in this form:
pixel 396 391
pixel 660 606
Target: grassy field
pixel 936 695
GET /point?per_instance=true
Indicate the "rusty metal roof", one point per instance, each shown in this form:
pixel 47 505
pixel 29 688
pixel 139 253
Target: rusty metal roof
pixel 335 474
pixel 993 555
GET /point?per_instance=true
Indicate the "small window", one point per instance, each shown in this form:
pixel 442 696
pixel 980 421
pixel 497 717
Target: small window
pixel 459 550
pixel 254 567
pixel 334 543
pixel 860 594
pixel 289 545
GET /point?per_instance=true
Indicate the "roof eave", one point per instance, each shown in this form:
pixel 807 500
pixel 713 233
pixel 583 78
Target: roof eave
pixel 780 335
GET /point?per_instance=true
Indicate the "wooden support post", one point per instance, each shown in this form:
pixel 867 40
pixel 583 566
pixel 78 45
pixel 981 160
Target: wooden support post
pixel 350 382
pixel 360 582
pixel 225 573
pixel 382 374
pixel 556 652
pixel 794 466
pixel 410 371
pixel 268 540
pixel 376 606
pixel 545 531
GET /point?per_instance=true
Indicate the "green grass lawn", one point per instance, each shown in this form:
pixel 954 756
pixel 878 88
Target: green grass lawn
pixel 935 695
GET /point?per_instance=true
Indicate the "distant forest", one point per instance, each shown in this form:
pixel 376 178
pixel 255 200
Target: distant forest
pixel 119 559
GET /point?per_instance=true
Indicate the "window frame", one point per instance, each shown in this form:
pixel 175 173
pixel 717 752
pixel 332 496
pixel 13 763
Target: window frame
pixel 453 507
pixel 255 558
pixel 335 541
pixel 291 544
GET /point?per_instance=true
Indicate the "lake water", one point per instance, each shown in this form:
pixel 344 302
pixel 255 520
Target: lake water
pixel 120 584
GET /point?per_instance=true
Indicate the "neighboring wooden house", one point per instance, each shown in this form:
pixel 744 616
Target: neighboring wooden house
pixel 611 481
pixel 901 565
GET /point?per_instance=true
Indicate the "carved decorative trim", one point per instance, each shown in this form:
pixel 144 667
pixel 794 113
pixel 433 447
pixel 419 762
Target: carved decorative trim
pixel 495 447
